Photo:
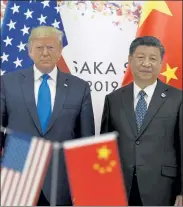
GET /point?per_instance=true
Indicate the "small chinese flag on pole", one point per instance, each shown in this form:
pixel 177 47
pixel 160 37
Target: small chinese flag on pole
pixel 94 171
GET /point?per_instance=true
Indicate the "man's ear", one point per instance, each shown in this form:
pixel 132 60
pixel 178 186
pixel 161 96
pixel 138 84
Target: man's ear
pixel 161 63
pixel 29 49
pixel 129 59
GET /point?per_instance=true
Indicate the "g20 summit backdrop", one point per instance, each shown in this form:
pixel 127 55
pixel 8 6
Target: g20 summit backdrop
pixel 97 39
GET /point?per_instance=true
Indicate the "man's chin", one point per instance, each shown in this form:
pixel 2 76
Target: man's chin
pixel 45 62
pixel 46 67
pixel 146 76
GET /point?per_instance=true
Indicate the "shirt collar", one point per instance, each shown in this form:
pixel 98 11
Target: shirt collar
pixel 38 74
pixel 149 90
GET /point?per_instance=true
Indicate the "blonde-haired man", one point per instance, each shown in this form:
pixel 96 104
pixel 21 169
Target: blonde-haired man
pixel 45 102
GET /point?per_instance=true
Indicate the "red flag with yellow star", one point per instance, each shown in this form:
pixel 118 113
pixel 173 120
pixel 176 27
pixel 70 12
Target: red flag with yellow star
pixel 163 19
pixel 94 171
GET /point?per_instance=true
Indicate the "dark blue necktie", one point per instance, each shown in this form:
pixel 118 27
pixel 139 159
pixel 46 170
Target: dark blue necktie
pixel 141 110
pixel 44 103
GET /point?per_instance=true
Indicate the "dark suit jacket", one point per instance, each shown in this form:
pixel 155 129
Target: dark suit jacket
pixel 72 117
pixel 157 151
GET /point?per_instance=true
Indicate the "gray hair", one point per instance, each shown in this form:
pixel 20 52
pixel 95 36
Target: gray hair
pixel 45 31
pixel 147 41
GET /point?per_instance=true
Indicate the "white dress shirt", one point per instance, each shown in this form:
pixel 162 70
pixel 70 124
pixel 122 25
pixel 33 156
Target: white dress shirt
pixel 149 90
pixel 52 81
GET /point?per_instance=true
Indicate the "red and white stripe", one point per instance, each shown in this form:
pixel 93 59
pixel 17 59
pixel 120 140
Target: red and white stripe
pixel 22 189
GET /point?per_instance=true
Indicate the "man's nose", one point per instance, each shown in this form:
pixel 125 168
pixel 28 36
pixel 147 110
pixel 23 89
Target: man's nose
pixel 146 62
pixel 45 51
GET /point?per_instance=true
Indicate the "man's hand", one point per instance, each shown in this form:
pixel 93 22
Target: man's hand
pixel 179 200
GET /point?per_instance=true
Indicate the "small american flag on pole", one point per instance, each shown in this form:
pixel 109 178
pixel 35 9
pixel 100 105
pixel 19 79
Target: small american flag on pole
pixel 23 168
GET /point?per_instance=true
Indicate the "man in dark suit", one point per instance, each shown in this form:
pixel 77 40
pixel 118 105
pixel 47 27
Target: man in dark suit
pixel 45 102
pixel 147 114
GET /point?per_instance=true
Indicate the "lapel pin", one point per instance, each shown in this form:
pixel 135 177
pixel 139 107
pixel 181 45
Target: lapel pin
pixel 65 85
pixel 163 95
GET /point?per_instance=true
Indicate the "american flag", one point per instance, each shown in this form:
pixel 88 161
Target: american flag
pixel 23 168
pixel 19 18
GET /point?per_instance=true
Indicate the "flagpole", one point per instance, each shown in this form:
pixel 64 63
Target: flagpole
pixel 54 174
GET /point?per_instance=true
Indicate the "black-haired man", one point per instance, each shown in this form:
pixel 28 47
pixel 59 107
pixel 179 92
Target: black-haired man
pixel 148 116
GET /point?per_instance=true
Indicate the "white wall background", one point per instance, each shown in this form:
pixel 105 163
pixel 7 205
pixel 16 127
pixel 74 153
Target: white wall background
pixel 97 39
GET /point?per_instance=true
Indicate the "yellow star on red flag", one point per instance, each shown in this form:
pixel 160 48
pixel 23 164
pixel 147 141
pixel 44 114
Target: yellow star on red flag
pixel 148 6
pixel 170 73
pixel 103 152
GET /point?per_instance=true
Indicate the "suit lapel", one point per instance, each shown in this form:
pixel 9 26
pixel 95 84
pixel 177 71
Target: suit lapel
pixel 128 103
pixel 27 85
pixel 158 98
pixel 60 97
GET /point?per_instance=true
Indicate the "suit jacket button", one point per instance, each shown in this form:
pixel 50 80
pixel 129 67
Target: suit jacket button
pixel 137 142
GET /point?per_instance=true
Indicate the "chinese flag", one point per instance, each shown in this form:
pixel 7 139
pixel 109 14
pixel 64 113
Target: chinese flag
pixel 163 19
pixel 94 171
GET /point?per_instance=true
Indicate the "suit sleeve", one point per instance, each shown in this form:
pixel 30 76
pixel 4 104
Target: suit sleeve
pixel 106 121
pixel 3 113
pixel 87 126
pixel 181 143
